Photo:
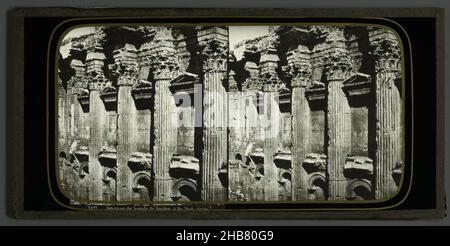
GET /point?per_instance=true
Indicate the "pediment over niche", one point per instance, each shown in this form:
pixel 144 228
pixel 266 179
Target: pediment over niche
pixel 142 90
pixel 184 83
pixel 109 94
pixel 357 84
pixel 315 91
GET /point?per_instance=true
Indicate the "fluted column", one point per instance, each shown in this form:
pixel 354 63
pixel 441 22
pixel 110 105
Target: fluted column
pixel 271 85
pixel 388 116
pixel 215 115
pixel 301 74
pixel 96 122
pixel 95 64
pixel 165 68
pixel 271 142
pixel 337 68
pixel 126 138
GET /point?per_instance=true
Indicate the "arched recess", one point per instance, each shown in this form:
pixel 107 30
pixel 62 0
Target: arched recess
pixel 109 184
pixel 259 171
pixel 83 169
pixel 285 181
pixel 185 190
pixel 359 189
pixel 142 187
pixel 317 187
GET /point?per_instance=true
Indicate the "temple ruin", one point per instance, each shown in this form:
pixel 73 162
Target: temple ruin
pixel 156 113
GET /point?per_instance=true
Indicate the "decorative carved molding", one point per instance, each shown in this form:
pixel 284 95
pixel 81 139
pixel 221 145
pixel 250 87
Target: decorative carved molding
pixel 215 55
pixel 298 74
pixel 165 66
pixel 271 83
pixel 96 81
pixel 128 76
pixel 387 57
pixel 337 66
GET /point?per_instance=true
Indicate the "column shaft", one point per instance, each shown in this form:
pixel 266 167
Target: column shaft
pixel 339 142
pixel 215 117
pixel 165 138
pixel 300 140
pixel 97 117
pixel 126 141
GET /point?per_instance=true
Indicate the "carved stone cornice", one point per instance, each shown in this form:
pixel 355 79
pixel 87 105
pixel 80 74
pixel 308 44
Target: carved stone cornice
pixel 337 67
pixel 387 56
pixel 215 55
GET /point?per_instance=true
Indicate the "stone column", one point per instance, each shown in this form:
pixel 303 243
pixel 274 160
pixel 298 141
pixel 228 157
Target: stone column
pixel 271 142
pixel 214 49
pixel 165 68
pixel 300 70
pixel 96 122
pixel 271 86
pixel 95 64
pixel 126 121
pixel 388 116
pixel 337 68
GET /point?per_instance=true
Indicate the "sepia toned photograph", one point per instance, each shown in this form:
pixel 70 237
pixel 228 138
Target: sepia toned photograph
pixel 150 114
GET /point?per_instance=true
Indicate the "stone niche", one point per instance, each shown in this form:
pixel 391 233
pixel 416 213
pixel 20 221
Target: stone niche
pixel 187 93
pixel 142 95
pixel 359 94
pixel 315 165
pixel 315 93
pixel 140 164
pixel 359 166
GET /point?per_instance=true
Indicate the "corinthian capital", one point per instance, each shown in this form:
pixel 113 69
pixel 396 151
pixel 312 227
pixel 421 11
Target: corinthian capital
pixel 128 75
pixel 387 56
pixel 215 55
pixel 96 81
pixel 299 74
pixel 337 66
pixel 165 66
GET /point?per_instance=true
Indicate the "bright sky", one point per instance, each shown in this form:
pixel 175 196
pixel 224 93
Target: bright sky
pixel 237 33
pixel 79 31
pixel 240 33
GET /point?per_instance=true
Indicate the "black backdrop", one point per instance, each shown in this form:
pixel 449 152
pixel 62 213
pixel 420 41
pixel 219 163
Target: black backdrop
pixel 422 34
